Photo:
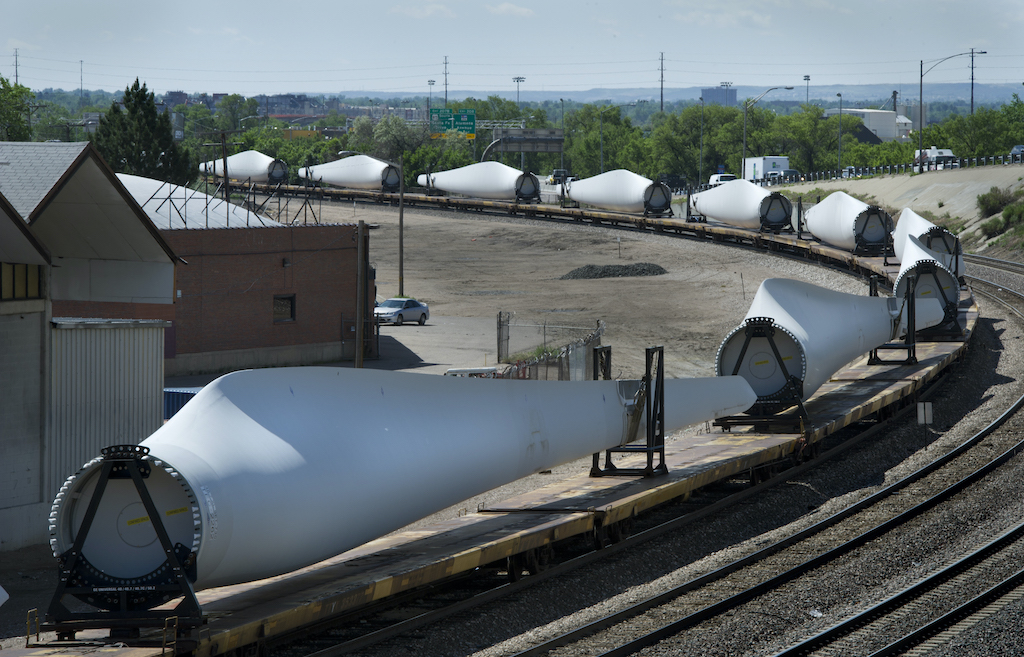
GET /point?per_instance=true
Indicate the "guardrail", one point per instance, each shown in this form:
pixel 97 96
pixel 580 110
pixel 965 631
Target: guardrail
pixel 890 169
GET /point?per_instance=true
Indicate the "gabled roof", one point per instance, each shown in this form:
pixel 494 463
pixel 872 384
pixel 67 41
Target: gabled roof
pixel 75 205
pixel 17 243
pixel 31 169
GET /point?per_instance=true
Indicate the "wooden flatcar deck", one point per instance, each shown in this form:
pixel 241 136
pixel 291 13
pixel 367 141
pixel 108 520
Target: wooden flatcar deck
pixel 240 615
pixel 243 614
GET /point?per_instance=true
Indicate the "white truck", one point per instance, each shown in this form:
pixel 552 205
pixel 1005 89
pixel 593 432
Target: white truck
pixel 935 159
pixel 758 168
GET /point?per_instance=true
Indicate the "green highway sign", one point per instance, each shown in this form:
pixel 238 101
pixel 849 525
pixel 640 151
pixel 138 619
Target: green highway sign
pixel 442 120
pixel 465 122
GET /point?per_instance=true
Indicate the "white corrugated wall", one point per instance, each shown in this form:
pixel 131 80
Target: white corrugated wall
pixel 106 389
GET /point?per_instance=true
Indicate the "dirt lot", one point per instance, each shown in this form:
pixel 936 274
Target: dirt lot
pixel 473 266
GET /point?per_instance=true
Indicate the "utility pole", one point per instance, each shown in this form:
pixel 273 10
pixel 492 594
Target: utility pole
pixel 446 81
pixel 840 135
pixel 80 78
pixel 401 225
pixel 360 292
pixel 662 82
pixel 15 66
pixel 980 52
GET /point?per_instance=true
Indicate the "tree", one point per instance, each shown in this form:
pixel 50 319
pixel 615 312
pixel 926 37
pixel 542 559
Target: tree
pixel 138 140
pixel 393 137
pixel 591 126
pixel 14 111
pixel 233 109
pixel 360 138
pixel 812 141
pixel 451 152
pixel 980 134
pixel 54 122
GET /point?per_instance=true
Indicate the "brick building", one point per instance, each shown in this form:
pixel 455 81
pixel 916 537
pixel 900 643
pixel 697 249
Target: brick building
pixel 255 293
pixel 265 296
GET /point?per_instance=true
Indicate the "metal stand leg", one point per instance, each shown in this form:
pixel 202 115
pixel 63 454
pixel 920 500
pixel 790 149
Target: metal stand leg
pixel 653 391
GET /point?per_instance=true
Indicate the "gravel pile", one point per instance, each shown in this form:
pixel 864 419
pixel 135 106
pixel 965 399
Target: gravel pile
pixel 615 271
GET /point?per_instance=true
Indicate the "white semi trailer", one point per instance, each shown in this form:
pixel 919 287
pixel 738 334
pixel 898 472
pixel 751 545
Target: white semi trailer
pixel 757 168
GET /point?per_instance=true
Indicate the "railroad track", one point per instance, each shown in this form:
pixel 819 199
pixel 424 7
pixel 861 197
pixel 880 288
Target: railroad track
pixel 938 607
pixel 865 521
pixel 430 607
pixel 628 631
pixel 995 263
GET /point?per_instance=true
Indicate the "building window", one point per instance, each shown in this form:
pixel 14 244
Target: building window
pixel 284 308
pixel 19 281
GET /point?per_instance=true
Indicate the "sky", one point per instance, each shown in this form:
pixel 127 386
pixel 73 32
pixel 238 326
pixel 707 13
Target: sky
pixel 276 47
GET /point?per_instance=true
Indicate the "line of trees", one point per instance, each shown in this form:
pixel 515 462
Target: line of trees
pixel 633 136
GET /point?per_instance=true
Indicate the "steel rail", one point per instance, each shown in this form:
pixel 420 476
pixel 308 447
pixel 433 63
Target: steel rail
pixel 995 298
pixel 996 595
pixel 914 593
pixel 994 263
pixel 736 600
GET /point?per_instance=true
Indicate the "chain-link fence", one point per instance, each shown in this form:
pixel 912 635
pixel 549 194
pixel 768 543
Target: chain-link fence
pixel 546 351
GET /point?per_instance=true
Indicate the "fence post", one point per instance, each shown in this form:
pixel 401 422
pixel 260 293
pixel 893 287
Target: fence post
pixel 503 321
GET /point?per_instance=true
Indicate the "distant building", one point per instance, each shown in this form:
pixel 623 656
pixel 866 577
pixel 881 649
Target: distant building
pixel 725 96
pixel 913 112
pixel 91 121
pixel 175 98
pixel 884 124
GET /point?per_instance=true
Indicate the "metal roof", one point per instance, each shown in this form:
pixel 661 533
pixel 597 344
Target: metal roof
pixel 172 207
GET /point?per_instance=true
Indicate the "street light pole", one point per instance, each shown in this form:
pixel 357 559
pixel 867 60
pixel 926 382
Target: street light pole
pixel 920 99
pixel 840 135
pixel 746 105
pixel 522 154
pixel 561 152
pixel 430 93
pixel 807 79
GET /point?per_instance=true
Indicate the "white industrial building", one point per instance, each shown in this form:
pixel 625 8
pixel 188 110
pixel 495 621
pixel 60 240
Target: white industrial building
pixel 72 238
pixel 887 125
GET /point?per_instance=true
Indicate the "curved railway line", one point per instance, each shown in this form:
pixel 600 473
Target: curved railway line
pixel 626 631
pixel 716 594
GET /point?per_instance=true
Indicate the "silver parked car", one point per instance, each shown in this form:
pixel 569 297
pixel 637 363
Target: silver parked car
pixel 399 310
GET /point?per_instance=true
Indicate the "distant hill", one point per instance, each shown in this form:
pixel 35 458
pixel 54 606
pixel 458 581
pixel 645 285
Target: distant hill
pixel 983 93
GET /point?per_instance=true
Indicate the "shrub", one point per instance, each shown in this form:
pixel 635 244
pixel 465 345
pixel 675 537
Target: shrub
pixel 993 227
pixel 1013 214
pixel 993 201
